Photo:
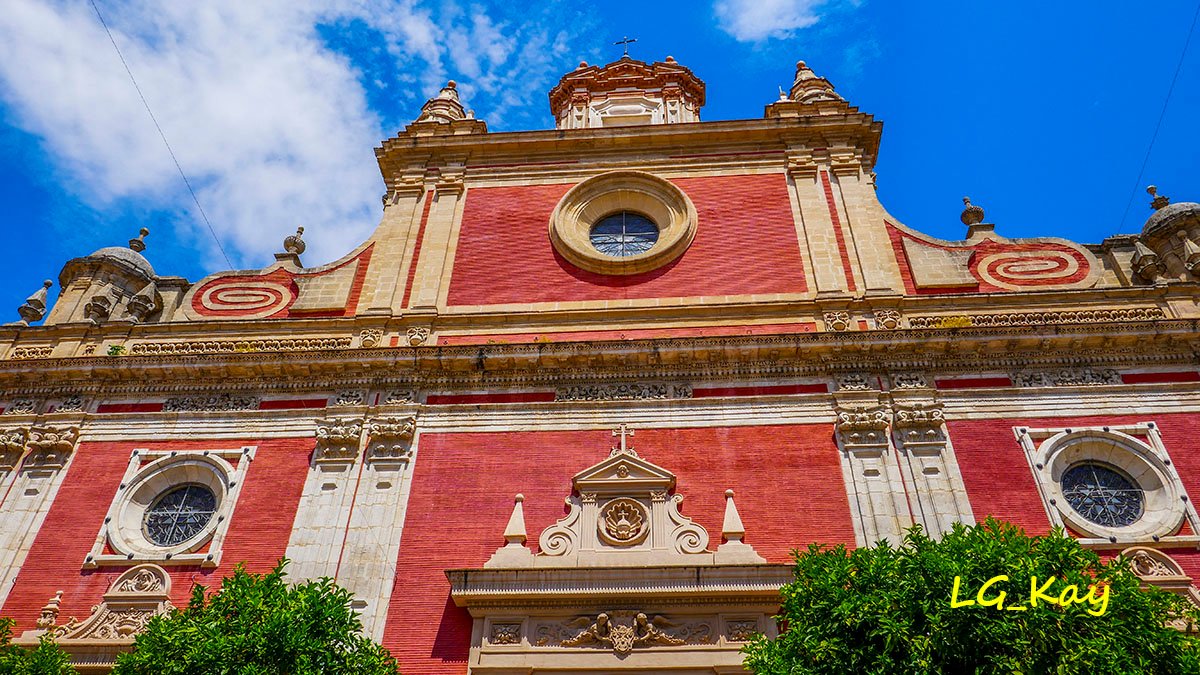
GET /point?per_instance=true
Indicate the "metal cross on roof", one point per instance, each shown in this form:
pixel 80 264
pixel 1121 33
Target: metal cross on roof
pixel 625 42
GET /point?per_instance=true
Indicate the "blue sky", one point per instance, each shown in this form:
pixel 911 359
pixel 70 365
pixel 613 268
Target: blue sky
pixel 1041 112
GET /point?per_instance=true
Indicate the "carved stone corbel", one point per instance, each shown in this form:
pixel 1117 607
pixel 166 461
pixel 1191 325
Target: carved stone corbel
pixel 390 439
pixel 337 441
pixel 50 447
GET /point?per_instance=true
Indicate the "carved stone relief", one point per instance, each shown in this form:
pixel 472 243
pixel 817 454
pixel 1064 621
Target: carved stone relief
pixel 370 337
pixel 623 391
pixel 417 335
pixel 622 631
pixel 886 319
pixel 1066 377
pixel 137 596
pixel 505 634
pixel 349 397
pixel 21 406
pixel 337 440
pixel 216 403
pixel 837 320
pixel 390 439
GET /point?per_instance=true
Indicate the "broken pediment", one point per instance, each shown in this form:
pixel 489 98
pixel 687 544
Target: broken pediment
pixel 622 512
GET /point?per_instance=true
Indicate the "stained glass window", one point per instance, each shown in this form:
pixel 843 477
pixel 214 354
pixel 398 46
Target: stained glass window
pixel 1102 494
pixel 179 514
pixel 624 234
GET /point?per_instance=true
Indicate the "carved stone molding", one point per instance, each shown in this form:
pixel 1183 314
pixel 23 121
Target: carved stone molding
pixel 217 403
pixel 1044 318
pixel 237 346
pixel 1066 377
pixel 919 419
pixel 624 630
pixel 70 403
pixel 337 441
pixel 623 392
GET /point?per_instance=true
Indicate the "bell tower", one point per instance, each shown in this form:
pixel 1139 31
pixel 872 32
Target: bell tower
pixel 627 92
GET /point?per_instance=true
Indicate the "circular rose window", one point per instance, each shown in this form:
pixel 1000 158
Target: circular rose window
pixel 179 514
pixel 624 234
pixel 1102 494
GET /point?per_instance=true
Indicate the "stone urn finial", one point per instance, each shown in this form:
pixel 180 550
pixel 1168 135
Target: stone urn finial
pixel 295 243
pixel 1158 201
pixel 972 214
pixel 139 244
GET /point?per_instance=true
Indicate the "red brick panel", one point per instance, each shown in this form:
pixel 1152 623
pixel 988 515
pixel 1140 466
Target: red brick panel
pixel 258 533
pixel 745 243
pixel 787 478
pixel 1000 483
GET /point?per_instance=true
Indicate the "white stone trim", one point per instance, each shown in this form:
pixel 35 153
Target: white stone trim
pixel 149 474
pixel 23 510
pixel 930 466
pixel 1052 451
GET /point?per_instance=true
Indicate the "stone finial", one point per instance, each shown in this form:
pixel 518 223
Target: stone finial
pixel 1146 263
pixel 734 550
pixel 445 107
pixel 732 528
pixel 49 616
pixel 513 553
pixel 972 214
pixel 808 87
pixel 143 303
pixel 514 534
pixel 294 243
pixel 782 94
pixel 35 305
pixel 139 244
pixel 1158 200
pixel 1191 253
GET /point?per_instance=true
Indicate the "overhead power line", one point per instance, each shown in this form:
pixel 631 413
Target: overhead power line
pixel 162 135
pixel 1166 101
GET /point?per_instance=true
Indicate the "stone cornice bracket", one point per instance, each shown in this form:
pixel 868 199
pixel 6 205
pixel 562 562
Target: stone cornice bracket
pixel 389 440
pixel 864 429
pixel 50 447
pixel 12 446
pixel 337 441
pixel 920 425
pixel 801 164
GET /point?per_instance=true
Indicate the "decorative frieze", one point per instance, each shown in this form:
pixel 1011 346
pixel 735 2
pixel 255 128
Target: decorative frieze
pixel 1041 318
pixel 863 427
pixel 70 403
pixel 349 397
pixel 216 403
pixel 238 346
pixel 31 353
pixel 909 381
pixel 623 392
pixel 1066 377
pixel 399 397
pixel 21 406
pixel 741 630
pixel 857 382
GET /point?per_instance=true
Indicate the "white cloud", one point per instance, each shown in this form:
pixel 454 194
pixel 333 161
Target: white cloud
pixel 271 124
pixel 756 20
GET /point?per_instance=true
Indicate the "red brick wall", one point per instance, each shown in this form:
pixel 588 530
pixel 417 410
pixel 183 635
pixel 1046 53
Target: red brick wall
pixel 1000 483
pixel 258 532
pixel 788 482
pixel 745 243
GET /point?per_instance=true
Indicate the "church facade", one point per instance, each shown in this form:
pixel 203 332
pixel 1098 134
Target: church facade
pixel 573 403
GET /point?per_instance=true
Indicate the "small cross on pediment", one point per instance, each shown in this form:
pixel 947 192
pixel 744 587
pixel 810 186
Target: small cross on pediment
pixel 624 449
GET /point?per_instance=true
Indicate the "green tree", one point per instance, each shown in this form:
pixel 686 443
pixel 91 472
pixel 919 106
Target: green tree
pixel 885 609
pixel 47 659
pixel 259 625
